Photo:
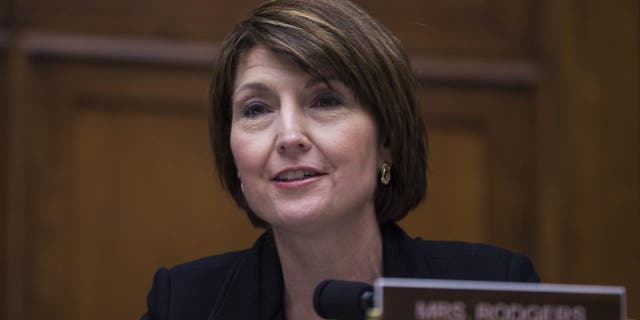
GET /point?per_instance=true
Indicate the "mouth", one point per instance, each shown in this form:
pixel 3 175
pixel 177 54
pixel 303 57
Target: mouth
pixel 296 175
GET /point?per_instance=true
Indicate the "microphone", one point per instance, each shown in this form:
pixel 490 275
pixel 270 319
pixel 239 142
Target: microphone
pixel 337 299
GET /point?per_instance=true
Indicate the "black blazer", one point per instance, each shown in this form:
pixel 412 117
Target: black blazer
pixel 248 284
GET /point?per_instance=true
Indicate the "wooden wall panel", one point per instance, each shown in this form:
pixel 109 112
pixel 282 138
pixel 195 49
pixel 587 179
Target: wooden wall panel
pixel 590 148
pixel 487 131
pixel 127 186
pixel 478 29
pixel 458 171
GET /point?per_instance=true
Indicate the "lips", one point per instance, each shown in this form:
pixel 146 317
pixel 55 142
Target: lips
pixel 296 174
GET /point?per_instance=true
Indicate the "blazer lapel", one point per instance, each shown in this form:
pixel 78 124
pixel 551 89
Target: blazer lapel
pixel 403 257
pixel 255 288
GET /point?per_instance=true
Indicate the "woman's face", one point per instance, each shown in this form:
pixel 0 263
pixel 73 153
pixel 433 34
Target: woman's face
pixel 307 153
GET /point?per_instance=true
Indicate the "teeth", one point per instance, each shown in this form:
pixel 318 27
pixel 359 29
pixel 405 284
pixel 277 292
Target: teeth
pixel 295 175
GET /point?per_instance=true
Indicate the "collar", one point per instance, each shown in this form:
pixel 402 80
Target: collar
pixel 256 288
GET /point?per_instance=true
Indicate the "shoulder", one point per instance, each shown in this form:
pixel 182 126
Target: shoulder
pixel 417 258
pixel 474 261
pixel 200 288
pixel 189 290
pixel 221 261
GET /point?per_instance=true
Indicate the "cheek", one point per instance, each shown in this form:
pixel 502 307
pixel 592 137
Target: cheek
pixel 247 153
pixel 356 145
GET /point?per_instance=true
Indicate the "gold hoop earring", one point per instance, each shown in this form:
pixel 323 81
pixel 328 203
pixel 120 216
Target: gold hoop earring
pixel 385 173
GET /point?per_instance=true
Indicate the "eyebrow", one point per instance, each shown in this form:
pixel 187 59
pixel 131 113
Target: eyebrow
pixel 317 80
pixel 259 86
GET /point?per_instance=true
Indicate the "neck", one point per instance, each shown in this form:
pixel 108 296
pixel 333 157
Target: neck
pixel 345 251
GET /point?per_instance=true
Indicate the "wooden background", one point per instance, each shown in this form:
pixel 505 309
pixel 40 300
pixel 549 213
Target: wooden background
pixel 532 109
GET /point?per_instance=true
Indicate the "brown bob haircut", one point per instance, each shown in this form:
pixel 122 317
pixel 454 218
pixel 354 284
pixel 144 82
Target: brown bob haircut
pixel 331 39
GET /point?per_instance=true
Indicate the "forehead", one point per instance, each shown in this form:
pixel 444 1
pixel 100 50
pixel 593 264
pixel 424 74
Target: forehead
pixel 259 54
pixel 262 63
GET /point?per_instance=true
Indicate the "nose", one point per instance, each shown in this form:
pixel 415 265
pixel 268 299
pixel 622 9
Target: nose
pixel 292 135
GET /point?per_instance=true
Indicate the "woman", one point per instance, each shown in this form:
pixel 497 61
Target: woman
pixel 316 135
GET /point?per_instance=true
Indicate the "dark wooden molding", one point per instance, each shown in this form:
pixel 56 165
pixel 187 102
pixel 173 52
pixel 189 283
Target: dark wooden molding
pixel 4 39
pixel 126 49
pixel 473 71
pixel 430 69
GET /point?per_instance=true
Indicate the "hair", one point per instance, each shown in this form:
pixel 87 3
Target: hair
pixel 331 39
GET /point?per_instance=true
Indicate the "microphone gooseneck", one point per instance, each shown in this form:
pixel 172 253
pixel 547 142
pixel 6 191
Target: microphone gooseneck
pixel 337 299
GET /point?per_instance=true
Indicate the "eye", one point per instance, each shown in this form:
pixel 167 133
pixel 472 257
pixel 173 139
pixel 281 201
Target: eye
pixel 254 109
pixel 328 101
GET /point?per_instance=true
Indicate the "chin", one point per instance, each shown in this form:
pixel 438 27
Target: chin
pixel 298 220
pixel 294 218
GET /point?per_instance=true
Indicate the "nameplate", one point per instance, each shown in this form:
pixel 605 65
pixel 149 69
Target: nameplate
pixel 420 299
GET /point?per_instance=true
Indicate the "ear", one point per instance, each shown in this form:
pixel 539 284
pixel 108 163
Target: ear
pixel 384 153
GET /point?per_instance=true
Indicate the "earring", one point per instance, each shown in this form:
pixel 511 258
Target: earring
pixel 242 187
pixel 385 173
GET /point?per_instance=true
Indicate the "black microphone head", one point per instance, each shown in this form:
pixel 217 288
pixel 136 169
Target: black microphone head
pixel 336 299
